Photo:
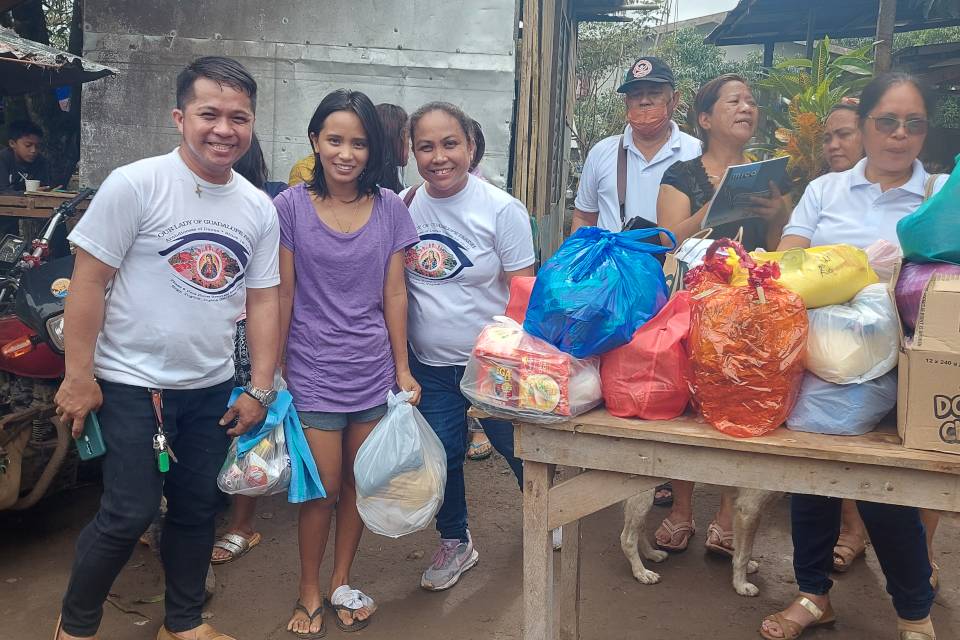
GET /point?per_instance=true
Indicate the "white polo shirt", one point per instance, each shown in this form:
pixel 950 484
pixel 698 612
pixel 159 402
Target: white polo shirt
pixel 597 192
pixel 846 208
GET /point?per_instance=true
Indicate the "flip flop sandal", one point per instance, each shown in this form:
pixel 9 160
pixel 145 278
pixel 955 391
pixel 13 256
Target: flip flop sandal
pixel 477 451
pixel 310 618
pixel 663 501
pixel 345 597
pixel 56 632
pixel 204 632
pixel 720 541
pixel 235 545
pixel 846 551
pixel 679 533
pixel 792 630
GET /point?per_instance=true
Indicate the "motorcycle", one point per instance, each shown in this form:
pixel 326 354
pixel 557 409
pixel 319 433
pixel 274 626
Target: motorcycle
pixel 36 453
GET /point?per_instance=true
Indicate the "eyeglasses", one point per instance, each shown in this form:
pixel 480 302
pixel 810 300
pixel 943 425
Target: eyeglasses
pixel 888 125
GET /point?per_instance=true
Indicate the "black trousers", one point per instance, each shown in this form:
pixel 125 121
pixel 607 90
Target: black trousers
pixel 897 535
pixel 132 487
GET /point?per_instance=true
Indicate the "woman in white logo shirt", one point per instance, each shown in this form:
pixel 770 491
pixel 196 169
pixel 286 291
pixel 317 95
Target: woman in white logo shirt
pixel 474 238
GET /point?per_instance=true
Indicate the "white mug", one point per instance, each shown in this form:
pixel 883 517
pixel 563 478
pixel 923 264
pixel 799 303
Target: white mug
pixel 31 185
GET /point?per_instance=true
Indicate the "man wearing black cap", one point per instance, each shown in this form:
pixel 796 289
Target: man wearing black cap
pixel 621 177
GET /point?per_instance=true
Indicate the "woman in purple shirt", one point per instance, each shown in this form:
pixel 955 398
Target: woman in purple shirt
pixel 343 314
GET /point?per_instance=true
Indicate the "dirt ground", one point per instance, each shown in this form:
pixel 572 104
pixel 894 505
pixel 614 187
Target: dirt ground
pixel 255 595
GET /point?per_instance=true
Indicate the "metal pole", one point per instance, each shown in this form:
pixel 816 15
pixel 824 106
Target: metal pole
pixel 811 19
pixel 768 53
pixel 886 23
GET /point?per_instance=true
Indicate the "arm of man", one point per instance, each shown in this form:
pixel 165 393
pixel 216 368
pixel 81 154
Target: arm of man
pixel 583 219
pixel 263 340
pixel 5 171
pixel 79 393
pixel 395 316
pixel 525 272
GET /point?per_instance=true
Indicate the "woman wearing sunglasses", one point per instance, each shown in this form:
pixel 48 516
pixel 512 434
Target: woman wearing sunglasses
pixel 858 207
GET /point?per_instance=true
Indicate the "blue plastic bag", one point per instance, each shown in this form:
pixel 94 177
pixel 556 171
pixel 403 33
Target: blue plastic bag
pixel 597 290
pixel 842 409
pixel 932 232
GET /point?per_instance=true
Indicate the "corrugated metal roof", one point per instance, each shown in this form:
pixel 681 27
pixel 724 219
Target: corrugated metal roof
pixel 27 65
pixel 756 21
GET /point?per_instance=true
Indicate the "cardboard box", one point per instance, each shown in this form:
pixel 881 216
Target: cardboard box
pixel 928 397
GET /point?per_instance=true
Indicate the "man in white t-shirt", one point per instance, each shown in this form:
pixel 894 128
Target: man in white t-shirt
pixel 171 251
pixel 650 143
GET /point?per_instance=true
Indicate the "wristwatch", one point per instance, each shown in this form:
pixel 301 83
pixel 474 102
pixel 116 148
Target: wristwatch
pixel 263 396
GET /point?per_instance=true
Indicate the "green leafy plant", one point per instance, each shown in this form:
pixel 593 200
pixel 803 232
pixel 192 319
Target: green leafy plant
pixel 804 92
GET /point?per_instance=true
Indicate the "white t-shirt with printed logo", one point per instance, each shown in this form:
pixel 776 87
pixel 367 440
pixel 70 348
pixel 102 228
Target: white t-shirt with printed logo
pixel 183 264
pixel 455 273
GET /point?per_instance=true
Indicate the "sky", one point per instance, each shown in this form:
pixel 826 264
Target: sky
pixel 685 9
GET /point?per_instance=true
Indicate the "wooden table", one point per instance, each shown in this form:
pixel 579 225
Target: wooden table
pixel 35 205
pixel 620 458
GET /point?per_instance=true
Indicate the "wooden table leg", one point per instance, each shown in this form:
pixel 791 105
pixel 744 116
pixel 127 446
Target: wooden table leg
pixel 569 600
pixel 537 553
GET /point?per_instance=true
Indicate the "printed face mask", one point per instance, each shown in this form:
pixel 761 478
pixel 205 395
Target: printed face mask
pixel 648 121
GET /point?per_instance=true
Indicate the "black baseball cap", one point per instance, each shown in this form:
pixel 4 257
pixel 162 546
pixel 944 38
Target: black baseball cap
pixel 647 69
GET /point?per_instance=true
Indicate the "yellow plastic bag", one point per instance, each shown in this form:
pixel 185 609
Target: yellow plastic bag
pixel 825 275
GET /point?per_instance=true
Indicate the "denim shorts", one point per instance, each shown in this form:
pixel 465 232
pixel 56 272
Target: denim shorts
pixel 338 421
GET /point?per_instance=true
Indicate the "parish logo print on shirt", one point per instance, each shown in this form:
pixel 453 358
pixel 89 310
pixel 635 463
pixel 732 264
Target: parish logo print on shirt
pixel 206 265
pixel 436 257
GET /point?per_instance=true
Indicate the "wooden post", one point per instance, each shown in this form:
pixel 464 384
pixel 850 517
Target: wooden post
pixel 569 600
pixel 768 54
pixel 537 553
pixel 811 21
pixel 886 23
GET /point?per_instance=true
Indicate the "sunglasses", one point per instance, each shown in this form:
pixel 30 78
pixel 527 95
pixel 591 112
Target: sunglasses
pixel 888 125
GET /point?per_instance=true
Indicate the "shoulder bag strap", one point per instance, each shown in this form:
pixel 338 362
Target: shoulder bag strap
pixel 622 180
pixel 407 199
pixel 928 187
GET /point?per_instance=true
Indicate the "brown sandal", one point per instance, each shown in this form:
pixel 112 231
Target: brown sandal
pixel 719 541
pixel 792 630
pixel 679 535
pixel 847 549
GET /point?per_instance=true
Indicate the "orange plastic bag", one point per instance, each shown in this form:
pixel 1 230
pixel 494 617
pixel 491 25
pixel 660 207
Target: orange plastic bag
pixel 520 289
pixel 649 377
pixel 747 344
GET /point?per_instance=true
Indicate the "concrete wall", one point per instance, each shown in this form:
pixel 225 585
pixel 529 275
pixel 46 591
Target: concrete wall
pixel 407 53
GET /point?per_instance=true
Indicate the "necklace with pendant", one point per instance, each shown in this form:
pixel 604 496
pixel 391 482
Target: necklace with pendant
pixel 336 218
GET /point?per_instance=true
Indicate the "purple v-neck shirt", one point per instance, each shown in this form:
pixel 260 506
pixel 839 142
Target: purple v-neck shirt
pixel 338 350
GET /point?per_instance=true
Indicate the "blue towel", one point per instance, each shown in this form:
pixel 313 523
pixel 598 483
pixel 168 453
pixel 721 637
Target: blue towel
pixel 305 481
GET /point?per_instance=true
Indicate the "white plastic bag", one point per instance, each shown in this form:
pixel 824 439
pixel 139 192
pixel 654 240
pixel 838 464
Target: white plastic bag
pixel 883 257
pixel 515 376
pixel 261 471
pixel 854 342
pixel 400 471
pixel 842 409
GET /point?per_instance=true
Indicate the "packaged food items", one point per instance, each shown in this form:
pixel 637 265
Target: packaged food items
pixel 649 377
pixel 932 232
pixel 400 471
pixel 912 281
pixel 842 409
pixel 857 341
pixel 258 466
pixel 747 343
pixel 515 376
pixel 597 290
pixel 824 275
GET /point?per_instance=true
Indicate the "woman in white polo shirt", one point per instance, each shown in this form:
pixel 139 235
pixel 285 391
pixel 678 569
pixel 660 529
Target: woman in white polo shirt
pixel 858 207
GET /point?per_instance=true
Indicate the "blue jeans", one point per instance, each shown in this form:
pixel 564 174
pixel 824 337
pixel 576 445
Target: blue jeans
pixel 132 487
pixel 897 535
pixel 445 408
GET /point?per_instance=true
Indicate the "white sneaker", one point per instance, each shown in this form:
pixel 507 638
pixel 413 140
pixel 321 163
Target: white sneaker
pixel 451 560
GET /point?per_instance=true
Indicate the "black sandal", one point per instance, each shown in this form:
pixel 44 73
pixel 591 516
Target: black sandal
pixel 310 618
pixel 663 501
pixel 357 625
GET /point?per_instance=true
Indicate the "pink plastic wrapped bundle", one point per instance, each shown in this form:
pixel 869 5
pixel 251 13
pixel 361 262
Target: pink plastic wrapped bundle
pixel 911 283
pixel 516 376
